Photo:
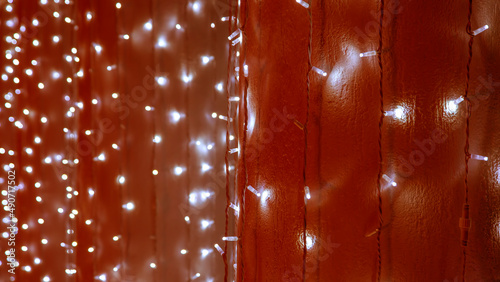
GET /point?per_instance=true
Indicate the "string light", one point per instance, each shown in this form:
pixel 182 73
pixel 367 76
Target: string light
pixel 479 30
pixel 368 54
pixel 303 4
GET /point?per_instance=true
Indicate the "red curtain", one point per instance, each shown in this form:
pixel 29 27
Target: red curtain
pixel 424 57
pixel 106 118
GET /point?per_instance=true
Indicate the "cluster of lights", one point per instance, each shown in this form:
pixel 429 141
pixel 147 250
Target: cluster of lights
pixel 71 58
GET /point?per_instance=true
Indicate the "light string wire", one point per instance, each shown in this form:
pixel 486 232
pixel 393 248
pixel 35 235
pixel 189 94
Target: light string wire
pixel 467 145
pixel 154 196
pixel 380 125
pixel 244 141
pixel 188 135
pixel 226 155
pixel 123 138
pixel 73 123
pixel 309 67
pixel 93 203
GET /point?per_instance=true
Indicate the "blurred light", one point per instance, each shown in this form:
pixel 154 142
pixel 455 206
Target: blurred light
pixel 178 170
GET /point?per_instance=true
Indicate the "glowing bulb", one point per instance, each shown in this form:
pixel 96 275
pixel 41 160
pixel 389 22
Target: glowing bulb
pixel 205 167
pixel 157 139
pixel 183 251
pixel 55 39
pixel 89 16
pixel 249 187
pixel 155 172
pixel 368 54
pixel 196 7
pixel 152 265
pixel 219 86
pixel 205 224
pixel 205 252
pixel 121 179
pixel 478 157
pixel 219 249
pixel 205 59
pixel 187 78
pixel 479 30
pixel 148 25
pixel 44 241
pixel 41 85
pixel 161 80
pixel 176 116
pixel 162 42
pixel 101 157
pixel 98 48
pixel 178 170
pixel 129 206
pixel 230 238
pixel 389 180
pixel 187 219
pixel 178 26
pixel 118 5
pixel 91 249
pixel 115 238
pixel 397 113
pixel 307 192
pixel 321 72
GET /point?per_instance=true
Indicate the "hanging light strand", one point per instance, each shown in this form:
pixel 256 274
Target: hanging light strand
pixel 464 222
pixel 244 145
pixel 226 156
pixel 304 170
pixel 380 124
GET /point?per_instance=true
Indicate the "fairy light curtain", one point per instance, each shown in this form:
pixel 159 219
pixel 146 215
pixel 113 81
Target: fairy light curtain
pixel 107 120
pixel 315 74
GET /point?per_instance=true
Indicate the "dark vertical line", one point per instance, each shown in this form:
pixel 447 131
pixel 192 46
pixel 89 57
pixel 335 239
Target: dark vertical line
pixel 226 155
pixel 188 153
pixel 320 113
pixel 464 221
pixel 122 144
pixel 380 125
pixel 154 197
pixel 245 130
pixel 309 66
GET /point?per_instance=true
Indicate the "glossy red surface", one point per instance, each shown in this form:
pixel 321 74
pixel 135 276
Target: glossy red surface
pixel 424 57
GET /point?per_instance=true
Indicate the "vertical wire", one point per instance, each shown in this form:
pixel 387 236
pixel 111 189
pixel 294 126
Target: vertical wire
pixel 467 127
pixel 380 125
pixel 309 67
pixel 188 136
pixel 226 155
pixel 154 197
pixel 123 136
pixel 245 130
